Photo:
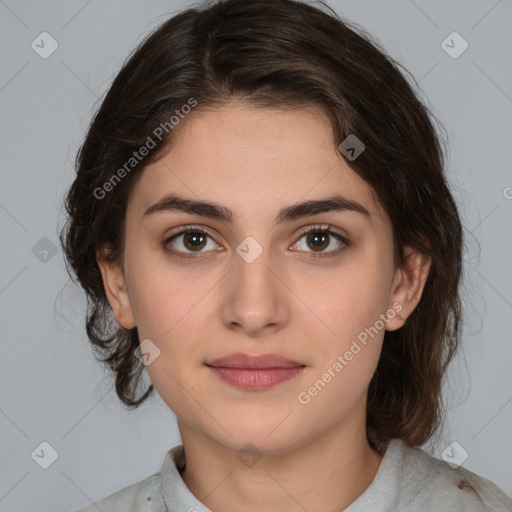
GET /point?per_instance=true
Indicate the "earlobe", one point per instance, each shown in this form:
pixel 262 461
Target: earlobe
pixel 408 285
pixel 116 291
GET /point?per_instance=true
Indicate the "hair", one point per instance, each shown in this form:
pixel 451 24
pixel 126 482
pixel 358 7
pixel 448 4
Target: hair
pixel 280 54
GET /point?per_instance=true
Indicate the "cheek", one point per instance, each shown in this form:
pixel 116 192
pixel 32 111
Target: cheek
pixel 346 362
pixel 174 311
pixel 164 295
pixel 347 327
pixel 346 300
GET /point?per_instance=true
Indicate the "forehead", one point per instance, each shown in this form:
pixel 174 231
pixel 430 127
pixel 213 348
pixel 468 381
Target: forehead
pixel 252 160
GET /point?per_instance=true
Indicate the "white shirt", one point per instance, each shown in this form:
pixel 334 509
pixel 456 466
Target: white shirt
pixel 408 480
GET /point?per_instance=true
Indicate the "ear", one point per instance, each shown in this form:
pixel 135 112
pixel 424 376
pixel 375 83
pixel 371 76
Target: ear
pixel 408 285
pixel 116 291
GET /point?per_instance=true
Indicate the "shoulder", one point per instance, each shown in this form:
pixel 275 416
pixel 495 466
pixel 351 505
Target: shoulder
pixel 143 496
pixel 428 483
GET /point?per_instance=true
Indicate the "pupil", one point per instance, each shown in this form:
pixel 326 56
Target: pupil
pixel 318 237
pixel 194 240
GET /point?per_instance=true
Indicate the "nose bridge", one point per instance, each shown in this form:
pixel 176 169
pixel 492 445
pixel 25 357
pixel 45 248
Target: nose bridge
pixel 255 298
pixel 253 269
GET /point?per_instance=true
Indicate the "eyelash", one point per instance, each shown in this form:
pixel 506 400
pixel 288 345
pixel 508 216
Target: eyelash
pixel 315 229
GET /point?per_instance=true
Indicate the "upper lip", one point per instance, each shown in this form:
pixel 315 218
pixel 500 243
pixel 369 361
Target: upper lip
pixel 254 361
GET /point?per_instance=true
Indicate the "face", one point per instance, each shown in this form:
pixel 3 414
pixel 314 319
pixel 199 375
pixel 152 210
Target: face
pixel 254 283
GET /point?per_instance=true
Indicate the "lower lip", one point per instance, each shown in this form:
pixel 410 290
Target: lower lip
pixel 255 379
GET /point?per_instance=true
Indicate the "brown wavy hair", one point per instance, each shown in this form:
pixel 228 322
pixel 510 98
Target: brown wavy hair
pixel 284 54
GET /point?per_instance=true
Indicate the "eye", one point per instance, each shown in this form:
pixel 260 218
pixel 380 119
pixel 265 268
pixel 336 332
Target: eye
pixel 189 240
pixel 193 239
pixel 320 238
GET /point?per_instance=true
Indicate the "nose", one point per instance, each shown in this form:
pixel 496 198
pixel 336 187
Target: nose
pixel 255 296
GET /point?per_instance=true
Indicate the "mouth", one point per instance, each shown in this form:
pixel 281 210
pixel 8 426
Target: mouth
pixel 255 372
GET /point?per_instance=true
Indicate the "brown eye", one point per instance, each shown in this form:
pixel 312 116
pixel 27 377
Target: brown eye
pixel 194 240
pixel 189 241
pixel 318 239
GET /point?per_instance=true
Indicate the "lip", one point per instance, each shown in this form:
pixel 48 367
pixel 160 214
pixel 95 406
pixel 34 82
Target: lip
pixel 255 372
pixel 247 361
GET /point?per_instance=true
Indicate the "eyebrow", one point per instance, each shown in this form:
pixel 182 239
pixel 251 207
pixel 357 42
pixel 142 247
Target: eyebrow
pixel 336 203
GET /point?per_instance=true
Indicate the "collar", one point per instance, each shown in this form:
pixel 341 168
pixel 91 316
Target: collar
pixel 175 493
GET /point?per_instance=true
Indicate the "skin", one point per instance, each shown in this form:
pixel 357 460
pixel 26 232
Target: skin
pixel 255 161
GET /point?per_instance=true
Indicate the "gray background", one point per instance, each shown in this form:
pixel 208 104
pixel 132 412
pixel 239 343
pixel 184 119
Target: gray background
pixel 54 391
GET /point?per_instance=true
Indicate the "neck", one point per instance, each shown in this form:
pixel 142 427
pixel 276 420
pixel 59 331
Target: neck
pixel 325 474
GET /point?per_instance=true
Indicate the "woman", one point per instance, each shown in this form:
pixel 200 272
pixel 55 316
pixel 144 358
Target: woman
pixel 261 206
